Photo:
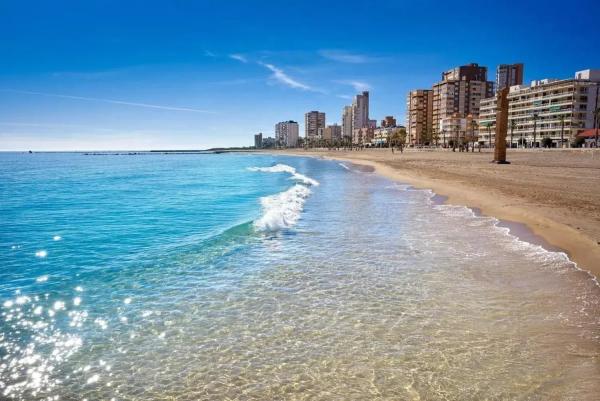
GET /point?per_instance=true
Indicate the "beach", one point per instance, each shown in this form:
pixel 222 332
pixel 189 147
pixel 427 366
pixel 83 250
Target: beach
pixel 556 194
pixel 270 276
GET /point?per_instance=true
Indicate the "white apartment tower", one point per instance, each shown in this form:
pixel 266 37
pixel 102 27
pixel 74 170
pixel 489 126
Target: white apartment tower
pixel 286 133
pixel 548 108
pixel 347 122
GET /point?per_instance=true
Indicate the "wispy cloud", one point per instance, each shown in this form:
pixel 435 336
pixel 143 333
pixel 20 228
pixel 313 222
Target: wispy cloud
pixel 239 57
pixel 358 86
pixel 347 97
pixel 280 76
pixel 112 101
pixel 346 57
pixel 208 53
pixel 61 126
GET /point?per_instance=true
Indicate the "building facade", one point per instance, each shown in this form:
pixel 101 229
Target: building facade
pixel 382 135
pixel 548 108
pixel 360 111
pixel 363 136
pixel 332 133
pixel 286 133
pixel 457 129
pixel 419 106
pixel 460 91
pixel 258 140
pixel 388 121
pixel 313 121
pixel 347 123
pixel 508 75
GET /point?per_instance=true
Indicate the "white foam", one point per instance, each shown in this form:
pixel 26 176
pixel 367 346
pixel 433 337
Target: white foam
pixel 533 251
pixel 42 279
pixel 278 168
pixel 344 166
pixel 282 210
pixel 57 238
pixel 284 168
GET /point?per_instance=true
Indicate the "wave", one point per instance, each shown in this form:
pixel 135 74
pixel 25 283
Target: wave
pixel 284 168
pixel 344 166
pixel 282 210
pixel 535 252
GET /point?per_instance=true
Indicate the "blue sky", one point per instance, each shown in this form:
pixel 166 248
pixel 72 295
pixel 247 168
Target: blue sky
pixel 83 75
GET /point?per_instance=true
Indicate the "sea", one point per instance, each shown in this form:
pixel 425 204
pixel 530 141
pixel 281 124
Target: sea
pixel 155 276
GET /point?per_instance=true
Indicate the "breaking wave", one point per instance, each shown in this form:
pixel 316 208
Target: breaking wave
pixel 284 168
pixel 282 211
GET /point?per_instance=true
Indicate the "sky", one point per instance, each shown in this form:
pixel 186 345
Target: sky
pixel 139 75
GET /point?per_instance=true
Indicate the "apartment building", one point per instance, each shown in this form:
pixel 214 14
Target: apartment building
pixel 363 136
pixel 347 122
pixel 419 104
pixel 286 133
pixel 332 133
pixel 388 121
pixel 547 108
pixel 258 140
pixel 360 110
pixel 460 91
pixel 313 121
pixel 508 75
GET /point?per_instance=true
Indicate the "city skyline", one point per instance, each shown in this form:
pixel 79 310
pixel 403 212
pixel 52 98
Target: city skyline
pixel 169 77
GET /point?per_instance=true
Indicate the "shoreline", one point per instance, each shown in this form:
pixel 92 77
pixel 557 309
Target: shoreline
pixel 548 233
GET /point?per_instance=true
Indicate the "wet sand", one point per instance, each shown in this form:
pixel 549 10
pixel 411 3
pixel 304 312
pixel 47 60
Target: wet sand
pixel 554 193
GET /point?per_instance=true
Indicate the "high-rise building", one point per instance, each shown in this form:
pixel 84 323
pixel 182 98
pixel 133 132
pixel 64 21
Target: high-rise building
pixel 459 93
pixel 313 121
pixel 419 104
pixel 332 133
pixel 388 122
pixel 360 111
pixel 508 75
pixel 547 108
pixel 347 122
pixel 286 133
pixel 258 140
pixel 363 136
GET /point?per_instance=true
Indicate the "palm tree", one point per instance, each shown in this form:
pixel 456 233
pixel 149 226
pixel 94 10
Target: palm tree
pixel 473 137
pixel 535 117
pixel 597 119
pixel 435 136
pixel 562 130
pixel 513 125
pixel 456 139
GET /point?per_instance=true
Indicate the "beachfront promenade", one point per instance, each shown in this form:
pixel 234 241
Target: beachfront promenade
pixel 555 192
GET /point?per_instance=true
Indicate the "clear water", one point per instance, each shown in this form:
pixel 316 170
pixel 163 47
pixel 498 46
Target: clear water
pixel 195 277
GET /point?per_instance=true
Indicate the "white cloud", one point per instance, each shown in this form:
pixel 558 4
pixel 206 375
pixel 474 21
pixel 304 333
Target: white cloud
pixel 346 57
pixel 208 53
pixel 239 57
pixel 358 86
pixel 348 97
pixel 112 101
pixel 280 76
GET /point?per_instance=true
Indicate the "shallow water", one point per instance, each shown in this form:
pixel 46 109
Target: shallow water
pixel 201 277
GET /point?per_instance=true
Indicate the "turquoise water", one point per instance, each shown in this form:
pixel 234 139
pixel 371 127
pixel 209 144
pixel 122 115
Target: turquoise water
pixel 269 277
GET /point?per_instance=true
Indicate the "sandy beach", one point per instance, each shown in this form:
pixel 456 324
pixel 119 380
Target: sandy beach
pixel 555 193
